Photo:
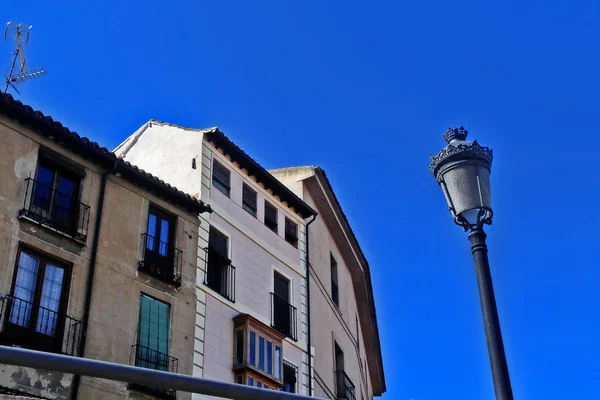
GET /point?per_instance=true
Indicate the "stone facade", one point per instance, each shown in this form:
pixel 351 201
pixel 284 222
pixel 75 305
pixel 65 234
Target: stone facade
pixel 46 245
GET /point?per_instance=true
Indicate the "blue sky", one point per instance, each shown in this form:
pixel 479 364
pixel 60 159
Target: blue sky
pixel 365 90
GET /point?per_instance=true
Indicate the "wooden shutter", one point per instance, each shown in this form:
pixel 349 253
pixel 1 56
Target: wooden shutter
pixel 154 324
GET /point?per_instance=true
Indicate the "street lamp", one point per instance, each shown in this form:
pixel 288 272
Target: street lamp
pixel 462 169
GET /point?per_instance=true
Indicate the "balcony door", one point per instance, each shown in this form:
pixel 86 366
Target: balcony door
pixel 218 245
pixel 37 305
pixel 55 196
pixel 159 241
pixel 281 306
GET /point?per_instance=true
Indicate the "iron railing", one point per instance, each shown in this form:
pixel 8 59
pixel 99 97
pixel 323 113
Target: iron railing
pixel 146 357
pixel 219 274
pixel 56 210
pixel 345 387
pixel 161 259
pixel 283 317
pixel 25 324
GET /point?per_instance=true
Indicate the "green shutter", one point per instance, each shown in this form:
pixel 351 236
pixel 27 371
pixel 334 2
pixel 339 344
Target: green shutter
pixel 154 324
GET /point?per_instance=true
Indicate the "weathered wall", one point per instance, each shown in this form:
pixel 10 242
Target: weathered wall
pixel 19 159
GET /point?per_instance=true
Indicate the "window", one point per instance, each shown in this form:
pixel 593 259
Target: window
pixel 271 217
pixel 53 197
pixel 291 232
pixel 161 258
pixel 249 200
pixel 335 295
pixel 153 334
pixel 220 274
pixel 250 381
pixel 36 308
pixel 357 334
pixel 283 314
pixel 344 386
pixel 221 178
pixel 261 355
pixel 289 377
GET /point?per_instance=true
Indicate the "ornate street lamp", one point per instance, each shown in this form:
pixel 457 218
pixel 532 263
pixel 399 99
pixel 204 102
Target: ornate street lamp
pixel 462 170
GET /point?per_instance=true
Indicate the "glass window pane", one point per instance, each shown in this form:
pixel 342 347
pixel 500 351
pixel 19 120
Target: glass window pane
pixel 252 348
pixel 269 358
pixel 150 245
pixel 164 237
pixel 258 384
pixel 50 299
pixel 250 381
pixel 261 353
pixel 239 347
pixel 24 289
pixel 43 188
pixel 277 362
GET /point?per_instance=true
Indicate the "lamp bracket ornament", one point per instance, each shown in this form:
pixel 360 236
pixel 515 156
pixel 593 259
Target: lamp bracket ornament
pixel 474 149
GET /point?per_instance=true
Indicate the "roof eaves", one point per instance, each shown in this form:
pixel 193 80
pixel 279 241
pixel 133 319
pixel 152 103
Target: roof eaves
pixel 262 174
pixel 54 130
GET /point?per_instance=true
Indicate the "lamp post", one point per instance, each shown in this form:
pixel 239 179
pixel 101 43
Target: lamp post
pixel 462 169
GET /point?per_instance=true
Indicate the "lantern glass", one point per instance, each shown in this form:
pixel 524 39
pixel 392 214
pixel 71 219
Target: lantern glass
pixel 467 188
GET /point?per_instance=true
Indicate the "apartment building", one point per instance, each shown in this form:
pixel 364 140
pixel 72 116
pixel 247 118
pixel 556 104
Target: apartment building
pixel 344 334
pixel 251 287
pixel 98 260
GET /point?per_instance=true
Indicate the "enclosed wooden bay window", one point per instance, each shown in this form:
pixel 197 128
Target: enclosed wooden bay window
pixel 257 353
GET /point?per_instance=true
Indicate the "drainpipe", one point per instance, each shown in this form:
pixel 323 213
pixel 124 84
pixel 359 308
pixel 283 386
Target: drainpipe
pixel 90 279
pixel 308 306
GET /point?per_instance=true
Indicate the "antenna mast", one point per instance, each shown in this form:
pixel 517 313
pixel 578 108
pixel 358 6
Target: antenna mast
pixel 18 72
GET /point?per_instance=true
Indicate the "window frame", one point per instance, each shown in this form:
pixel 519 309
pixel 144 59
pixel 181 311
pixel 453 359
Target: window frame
pixel 274 224
pixel 223 187
pixel 291 239
pixel 161 214
pixel 335 286
pixel 251 209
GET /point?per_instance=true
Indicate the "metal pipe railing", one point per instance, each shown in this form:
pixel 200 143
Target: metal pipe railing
pixel 140 376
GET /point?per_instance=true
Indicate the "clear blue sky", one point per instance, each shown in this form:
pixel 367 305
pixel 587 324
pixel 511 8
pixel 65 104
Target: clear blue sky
pixel 365 90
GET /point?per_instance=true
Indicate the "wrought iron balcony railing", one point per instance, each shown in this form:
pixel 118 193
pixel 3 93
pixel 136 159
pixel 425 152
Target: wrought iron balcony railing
pixel 344 386
pixel 283 317
pixel 161 259
pixel 25 324
pixel 219 274
pixel 56 210
pixel 146 357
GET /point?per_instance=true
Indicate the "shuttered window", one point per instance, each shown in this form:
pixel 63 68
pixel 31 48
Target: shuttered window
pixel 153 330
pixel 221 178
pixel 249 200
pixel 291 232
pixel 271 217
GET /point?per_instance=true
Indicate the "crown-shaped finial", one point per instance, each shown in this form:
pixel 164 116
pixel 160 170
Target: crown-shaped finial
pixel 455 134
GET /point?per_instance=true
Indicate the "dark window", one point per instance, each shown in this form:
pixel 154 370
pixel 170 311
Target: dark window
pixel 220 274
pixel 250 381
pixel 357 333
pixel 335 294
pixel 161 258
pixel 53 199
pixel 239 379
pixel 344 387
pixel 291 232
pixel 221 178
pixel 239 347
pixel 289 378
pixel 271 217
pixel 249 199
pixel 252 348
pixel 283 313
pixel 34 315
pixel 261 353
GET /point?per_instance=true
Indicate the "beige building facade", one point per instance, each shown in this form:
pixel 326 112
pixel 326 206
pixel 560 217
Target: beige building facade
pixel 251 323
pixel 98 260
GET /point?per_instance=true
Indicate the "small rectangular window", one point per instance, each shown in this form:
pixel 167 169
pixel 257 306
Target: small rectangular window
pixel 239 379
pixel 221 178
pixel 252 348
pixel 289 378
pixel 153 334
pixel 239 347
pixel 250 381
pixel 258 384
pixel 271 217
pixel 277 362
pixel 335 294
pixel 249 200
pixel 291 232
pixel 261 353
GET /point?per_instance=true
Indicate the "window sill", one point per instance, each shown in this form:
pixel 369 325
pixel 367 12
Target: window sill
pixel 79 242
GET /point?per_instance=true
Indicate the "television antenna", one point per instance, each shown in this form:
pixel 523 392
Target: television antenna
pixel 18 72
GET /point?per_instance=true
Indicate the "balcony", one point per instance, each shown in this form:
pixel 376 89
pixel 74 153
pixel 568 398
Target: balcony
pixel 283 317
pixel 161 260
pixel 145 357
pixel 55 210
pixel 344 386
pixel 38 328
pixel 219 274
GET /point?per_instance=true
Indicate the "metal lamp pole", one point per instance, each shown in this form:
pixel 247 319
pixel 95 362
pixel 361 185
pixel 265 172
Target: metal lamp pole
pixel 462 170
